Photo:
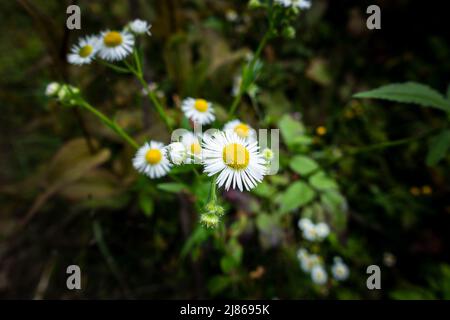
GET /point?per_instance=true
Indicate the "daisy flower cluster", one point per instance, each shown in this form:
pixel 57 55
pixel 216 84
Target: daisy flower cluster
pixel 109 45
pixel 313 232
pixel 232 154
pixel 313 264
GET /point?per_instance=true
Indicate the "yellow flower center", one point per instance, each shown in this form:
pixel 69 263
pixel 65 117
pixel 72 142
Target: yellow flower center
pixel 201 105
pixel 85 51
pixel 153 156
pixel 236 156
pixel 196 148
pixel 321 131
pixel 242 130
pixel 112 39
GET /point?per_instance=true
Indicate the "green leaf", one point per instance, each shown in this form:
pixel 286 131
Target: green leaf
pixel 322 182
pixel 172 187
pixel 409 92
pixel 227 264
pixel 264 190
pixel 334 203
pixel 439 146
pixel 297 195
pixel 146 204
pixel 290 130
pixel 218 284
pixel 303 165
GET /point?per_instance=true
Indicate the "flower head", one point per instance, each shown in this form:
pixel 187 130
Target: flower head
pixel 237 162
pixel 84 52
pixel 151 160
pixel 139 26
pixel 52 89
pixel 198 110
pixel 177 152
pixel 243 130
pixel 115 45
pixel 193 147
pixel 339 269
pixel 319 275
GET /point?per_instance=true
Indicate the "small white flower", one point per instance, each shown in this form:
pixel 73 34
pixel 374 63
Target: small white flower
pixel 198 110
pixel 322 230
pixel 139 26
pixel 115 45
pixel 52 89
pixel 236 161
pixel 151 160
pixel 301 4
pixel 310 232
pixel 267 155
pixel 193 147
pixel 339 269
pixel 243 130
pixel 177 152
pixel 231 15
pixel 319 275
pixel 284 3
pixel 304 223
pixel 83 52
pixel 308 262
pixel 302 253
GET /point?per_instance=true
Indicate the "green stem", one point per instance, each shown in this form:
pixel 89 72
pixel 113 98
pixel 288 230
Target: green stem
pixel 111 124
pixel 114 67
pixel 152 96
pixel 389 144
pixel 250 66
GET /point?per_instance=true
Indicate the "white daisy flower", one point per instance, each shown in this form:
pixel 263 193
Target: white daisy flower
pixel 151 160
pixel 83 52
pixel 339 269
pixel 236 161
pixel 177 152
pixel 322 230
pixel 319 275
pixel 115 45
pixel 52 89
pixel 242 129
pixel 309 261
pixel 193 147
pixel 139 26
pixel 198 110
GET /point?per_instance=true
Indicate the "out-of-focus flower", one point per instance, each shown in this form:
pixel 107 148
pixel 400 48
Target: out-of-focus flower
pixel 52 89
pixel 319 275
pixel 139 26
pixel 151 160
pixel 321 131
pixel 243 130
pixel 115 45
pixel 198 110
pixel 339 269
pixel 313 232
pixel 237 162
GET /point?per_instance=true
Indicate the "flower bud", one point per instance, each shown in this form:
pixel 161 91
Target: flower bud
pixel 209 220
